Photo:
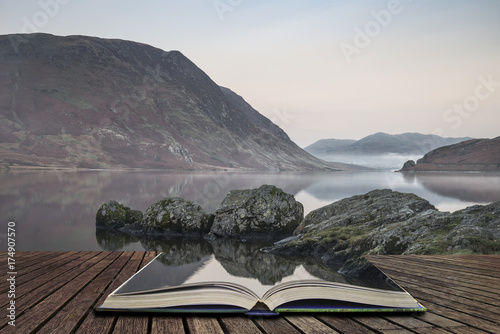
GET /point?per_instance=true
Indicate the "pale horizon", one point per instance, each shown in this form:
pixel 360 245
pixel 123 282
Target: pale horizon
pixel 318 69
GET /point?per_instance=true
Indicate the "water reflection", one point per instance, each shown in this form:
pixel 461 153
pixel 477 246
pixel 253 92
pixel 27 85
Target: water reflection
pixel 55 210
pixel 191 261
pixel 467 187
pixel 246 260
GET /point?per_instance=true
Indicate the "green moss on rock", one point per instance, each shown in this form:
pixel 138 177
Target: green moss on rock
pixel 174 215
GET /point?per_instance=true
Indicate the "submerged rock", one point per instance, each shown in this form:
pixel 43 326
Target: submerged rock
pixel 266 212
pixel 176 216
pixel 113 215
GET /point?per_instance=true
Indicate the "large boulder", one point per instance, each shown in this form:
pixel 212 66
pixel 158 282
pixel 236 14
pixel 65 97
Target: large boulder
pixel 113 215
pixel 266 212
pixel 176 216
pixel 389 222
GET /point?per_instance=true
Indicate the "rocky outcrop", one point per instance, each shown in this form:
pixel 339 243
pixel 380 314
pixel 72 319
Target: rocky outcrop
pixel 408 166
pixel 176 216
pixel 388 222
pixel 470 155
pixel 266 212
pixel 113 215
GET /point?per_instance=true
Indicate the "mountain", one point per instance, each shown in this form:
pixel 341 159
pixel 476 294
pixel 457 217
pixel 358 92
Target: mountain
pixel 324 146
pixel 470 155
pixel 382 143
pixel 87 102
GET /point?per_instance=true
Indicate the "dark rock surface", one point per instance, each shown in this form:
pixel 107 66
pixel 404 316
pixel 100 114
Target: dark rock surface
pixel 266 212
pixel 388 222
pixel 113 215
pixel 176 216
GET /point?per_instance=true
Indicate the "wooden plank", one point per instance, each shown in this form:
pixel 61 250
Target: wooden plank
pixel 26 265
pixel 103 323
pixel 444 285
pixel 402 269
pixel 432 330
pixel 409 322
pixel 134 324
pixel 486 270
pixel 167 324
pixel 439 321
pixel 28 295
pixel 377 323
pixel 447 272
pixel 491 262
pixel 276 325
pixel 68 318
pixel 136 321
pixel 53 267
pixel 467 330
pixel 32 297
pixel 43 311
pixel 468 306
pixel 477 264
pixel 203 325
pixel 240 324
pixel 461 317
pixel 345 324
pixel 308 324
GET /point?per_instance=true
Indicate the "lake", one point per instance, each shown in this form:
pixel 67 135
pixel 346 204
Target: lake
pixel 55 210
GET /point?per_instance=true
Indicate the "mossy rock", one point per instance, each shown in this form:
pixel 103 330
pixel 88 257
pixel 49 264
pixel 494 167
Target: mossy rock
pixel 113 215
pixel 174 215
pixel 265 212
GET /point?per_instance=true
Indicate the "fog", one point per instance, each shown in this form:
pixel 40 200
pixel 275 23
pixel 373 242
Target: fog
pixel 389 161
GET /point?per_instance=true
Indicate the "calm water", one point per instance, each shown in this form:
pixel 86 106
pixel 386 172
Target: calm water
pixel 55 210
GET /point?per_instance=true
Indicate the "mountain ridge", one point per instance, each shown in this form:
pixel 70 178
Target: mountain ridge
pixel 469 155
pixel 382 143
pixel 88 102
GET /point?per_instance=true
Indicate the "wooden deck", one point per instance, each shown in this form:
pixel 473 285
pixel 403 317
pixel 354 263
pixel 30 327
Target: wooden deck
pixel 56 292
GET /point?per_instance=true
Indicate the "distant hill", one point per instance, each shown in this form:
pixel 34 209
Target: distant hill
pixel 382 143
pixel 470 155
pixel 324 146
pixel 87 102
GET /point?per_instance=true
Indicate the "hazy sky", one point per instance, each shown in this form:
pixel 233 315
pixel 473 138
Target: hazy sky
pixel 318 69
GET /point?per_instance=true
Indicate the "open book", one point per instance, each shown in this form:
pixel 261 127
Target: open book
pixel 211 289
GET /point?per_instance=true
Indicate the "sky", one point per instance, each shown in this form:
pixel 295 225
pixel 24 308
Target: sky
pixel 318 69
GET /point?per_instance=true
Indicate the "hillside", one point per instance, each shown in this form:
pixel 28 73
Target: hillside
pixel 85 102
pixel 470 155
pixel 382 143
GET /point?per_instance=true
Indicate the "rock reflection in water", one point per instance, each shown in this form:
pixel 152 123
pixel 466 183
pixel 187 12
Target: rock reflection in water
pixel 111 240
pixel 240 259
pixel 246 260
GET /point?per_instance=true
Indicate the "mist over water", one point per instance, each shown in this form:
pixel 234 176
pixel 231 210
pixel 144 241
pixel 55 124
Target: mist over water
pixel 55 210
pixel 388 161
